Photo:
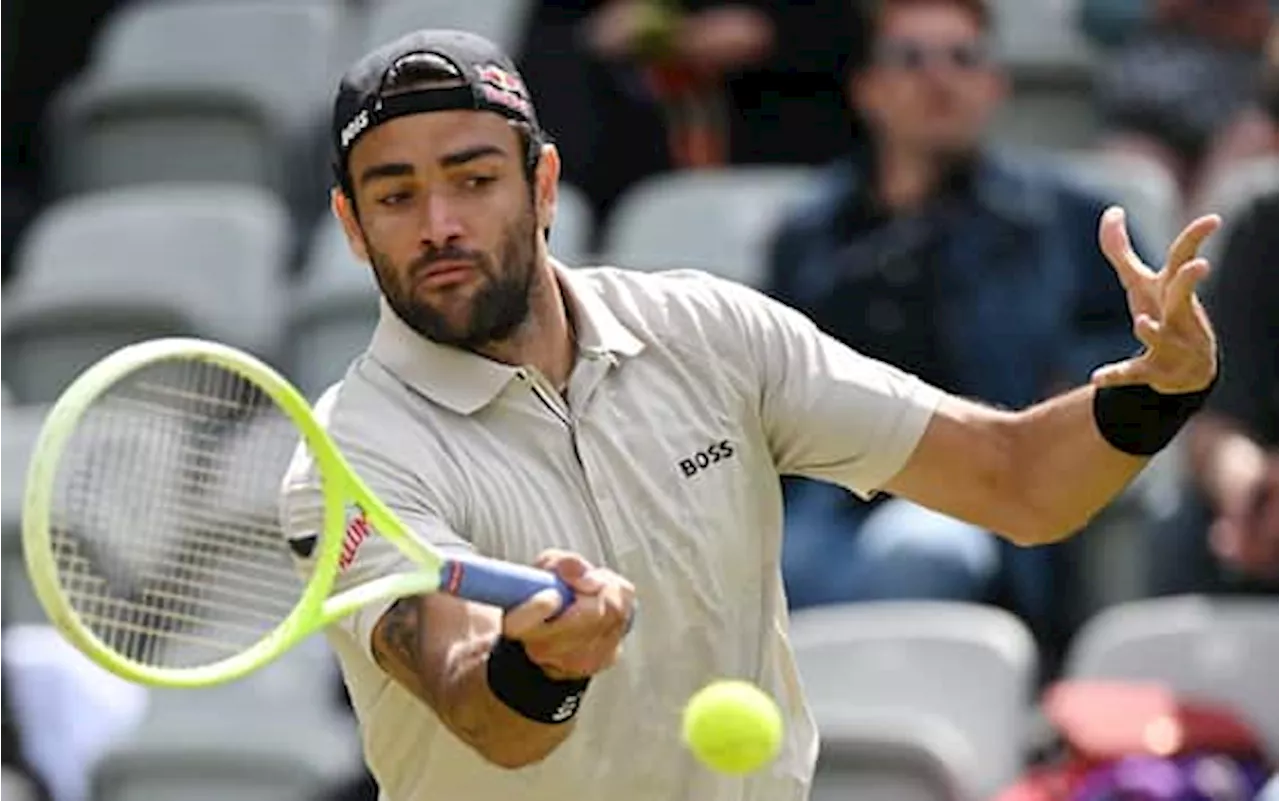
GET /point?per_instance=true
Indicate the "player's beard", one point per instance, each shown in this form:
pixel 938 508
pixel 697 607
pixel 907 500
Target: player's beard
pixel 497 309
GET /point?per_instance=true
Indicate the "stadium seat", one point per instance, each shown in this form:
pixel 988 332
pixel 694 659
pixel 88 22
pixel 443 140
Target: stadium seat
pixel 103 270
pixel 1232 190
pixel 962 669
pixel 890 758
pixel 1219 649
pixel 714 220
pixel 179 772
pixel 334 311
pixel 500 21
pixel 276 734
pixel 19 427
pixel 573 233
pixel 1050 63
pixel 193 91
pixel 1149 194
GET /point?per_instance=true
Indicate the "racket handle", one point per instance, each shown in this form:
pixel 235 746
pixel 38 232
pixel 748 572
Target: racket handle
pixel 501 584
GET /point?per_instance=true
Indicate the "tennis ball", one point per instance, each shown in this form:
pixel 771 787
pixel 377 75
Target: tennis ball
pixel 732 726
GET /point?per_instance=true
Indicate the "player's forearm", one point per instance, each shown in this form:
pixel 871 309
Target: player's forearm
pixel 467 705
pixel 1062 466
pixel 438 648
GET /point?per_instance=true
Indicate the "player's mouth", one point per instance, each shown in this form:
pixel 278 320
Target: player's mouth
pixel 445 273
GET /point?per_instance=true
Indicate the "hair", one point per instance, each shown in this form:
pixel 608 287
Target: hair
pixel 870 17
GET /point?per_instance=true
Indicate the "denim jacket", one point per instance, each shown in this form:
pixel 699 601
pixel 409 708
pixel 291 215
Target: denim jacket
pixel 1026 300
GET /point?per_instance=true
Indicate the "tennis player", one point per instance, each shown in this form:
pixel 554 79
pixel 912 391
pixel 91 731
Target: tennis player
pixel 628 431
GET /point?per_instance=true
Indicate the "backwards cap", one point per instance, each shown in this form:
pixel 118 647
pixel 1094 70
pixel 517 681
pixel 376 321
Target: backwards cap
pixel 478 77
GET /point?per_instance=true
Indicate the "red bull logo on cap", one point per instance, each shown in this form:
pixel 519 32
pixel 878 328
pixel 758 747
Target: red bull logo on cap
pixel 504 88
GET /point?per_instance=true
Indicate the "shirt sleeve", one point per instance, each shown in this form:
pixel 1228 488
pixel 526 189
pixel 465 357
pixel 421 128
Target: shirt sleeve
pixel 828 412
pixel 365 556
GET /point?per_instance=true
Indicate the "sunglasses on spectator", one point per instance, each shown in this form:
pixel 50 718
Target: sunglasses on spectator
pixel 912 56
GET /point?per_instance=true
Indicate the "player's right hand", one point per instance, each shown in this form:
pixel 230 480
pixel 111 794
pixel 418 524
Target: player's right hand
pixel 583 639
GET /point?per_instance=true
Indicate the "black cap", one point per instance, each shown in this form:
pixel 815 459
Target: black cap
pixel 487 80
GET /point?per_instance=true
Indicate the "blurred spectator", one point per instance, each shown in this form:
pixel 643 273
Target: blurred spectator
pixel 1187 81
pixel 1229 517
pixel 636 87
pixel 923 249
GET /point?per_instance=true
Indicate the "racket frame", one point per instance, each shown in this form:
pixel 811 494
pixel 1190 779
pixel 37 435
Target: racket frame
pixel 341 488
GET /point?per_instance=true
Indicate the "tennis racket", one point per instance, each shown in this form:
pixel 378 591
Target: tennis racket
pixel 151 523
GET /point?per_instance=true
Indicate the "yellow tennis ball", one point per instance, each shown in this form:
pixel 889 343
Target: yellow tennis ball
pixel 732 726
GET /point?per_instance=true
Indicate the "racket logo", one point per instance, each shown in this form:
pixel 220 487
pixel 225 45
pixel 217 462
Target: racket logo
pixel 356 532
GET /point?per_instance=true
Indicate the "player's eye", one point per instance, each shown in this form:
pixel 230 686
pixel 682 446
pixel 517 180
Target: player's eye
pixel 478 181
pixel 392 199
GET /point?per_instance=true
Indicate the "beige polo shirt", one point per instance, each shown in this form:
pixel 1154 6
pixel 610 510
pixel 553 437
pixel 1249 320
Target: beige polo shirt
pixel 690 397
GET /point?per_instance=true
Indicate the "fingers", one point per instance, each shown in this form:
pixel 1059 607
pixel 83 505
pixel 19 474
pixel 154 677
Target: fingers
pixel 531 614
pixel 1113 238
pixel 1187 244
pixel 1130 371
pixel 571 568
pixel 1147 330
pixel 1182 286
pixel 585 638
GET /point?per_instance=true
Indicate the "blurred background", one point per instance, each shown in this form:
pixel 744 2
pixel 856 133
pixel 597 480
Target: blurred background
pixel 922 177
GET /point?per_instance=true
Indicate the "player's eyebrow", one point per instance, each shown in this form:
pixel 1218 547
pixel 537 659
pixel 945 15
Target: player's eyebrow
pixel 460 157
pixel 395 169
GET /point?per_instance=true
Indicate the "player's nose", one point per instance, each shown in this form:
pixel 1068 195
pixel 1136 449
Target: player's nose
pixel 439 223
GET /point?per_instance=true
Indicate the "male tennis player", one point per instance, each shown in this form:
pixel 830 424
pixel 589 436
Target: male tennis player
pixel 627 431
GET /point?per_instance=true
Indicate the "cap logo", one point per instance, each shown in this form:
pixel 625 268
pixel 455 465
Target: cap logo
pixel 354 127
pixel 504 88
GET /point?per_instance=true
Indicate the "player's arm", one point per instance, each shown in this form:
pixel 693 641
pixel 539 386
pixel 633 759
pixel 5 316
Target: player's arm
pixel 507 685
pixel 1040 474
pixel 437 647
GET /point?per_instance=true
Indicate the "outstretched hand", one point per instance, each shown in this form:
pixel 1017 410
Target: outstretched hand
pixel 1180 353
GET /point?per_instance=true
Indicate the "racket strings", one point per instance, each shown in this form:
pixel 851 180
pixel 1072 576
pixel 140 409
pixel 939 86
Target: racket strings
pixel 164 523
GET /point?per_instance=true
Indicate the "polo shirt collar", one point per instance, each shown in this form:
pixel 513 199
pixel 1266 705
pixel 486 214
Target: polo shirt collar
pixel 466 382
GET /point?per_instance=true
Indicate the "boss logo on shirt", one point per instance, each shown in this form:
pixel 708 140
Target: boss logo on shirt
pixel 718 452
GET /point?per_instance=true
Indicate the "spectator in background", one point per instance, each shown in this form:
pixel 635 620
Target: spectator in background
pixel 1190 83
pixel 638 87
pixel 1226 531
pixel 1228 520
pixel 923 249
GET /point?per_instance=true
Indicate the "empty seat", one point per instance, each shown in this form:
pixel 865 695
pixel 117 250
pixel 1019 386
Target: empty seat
pixel 19 428
pixel 137 772
pixel 104 270
pixel 1231 191
pixel 500 21
pixel 1219 649
pixel 1149 194
pixel 890 758
pixel 1050 63
pixel 959 668
pixel 1042 40
pixel 193 91
pixel 334 311
pixel 573 232
pixel 714 220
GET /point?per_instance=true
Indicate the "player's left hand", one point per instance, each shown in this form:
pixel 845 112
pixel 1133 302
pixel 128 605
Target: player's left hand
pixel 1180 352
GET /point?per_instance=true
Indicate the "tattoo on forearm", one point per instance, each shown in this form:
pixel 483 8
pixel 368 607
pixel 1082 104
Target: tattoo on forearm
pixel 398 638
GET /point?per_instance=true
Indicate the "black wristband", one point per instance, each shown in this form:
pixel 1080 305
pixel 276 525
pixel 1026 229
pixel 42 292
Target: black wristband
pixel 517 681
pixel 1139 421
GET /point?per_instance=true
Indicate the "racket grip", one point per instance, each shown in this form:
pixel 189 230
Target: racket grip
pixel 497 583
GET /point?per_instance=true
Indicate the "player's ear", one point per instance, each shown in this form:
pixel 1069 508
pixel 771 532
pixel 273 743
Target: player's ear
pixel 344 209
pixel 546 182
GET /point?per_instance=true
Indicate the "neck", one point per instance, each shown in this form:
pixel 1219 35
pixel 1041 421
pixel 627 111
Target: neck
pixel 545 340
pixel 905 178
